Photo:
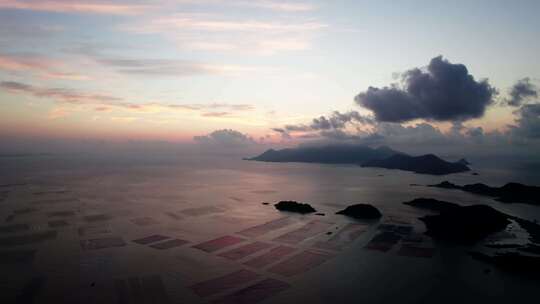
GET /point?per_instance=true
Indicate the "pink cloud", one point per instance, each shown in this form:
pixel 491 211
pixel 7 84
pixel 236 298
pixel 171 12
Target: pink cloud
pixel 43 67
pixel 87 7
pixel 103 102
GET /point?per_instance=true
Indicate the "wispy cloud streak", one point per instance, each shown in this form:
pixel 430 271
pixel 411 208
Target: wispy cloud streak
pixel 101 102
pixel 165 67
pixel 42 67
pixel 67 6
pixel 216 32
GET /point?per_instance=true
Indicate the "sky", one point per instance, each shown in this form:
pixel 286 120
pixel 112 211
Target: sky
pixel 270 71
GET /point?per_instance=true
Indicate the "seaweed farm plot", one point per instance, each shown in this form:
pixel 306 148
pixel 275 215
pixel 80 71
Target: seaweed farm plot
pixel 343 237
pixel 300 263
pixel 244 250
pixel 270 257
pixel 102 243
pixel 303 233
pixel 219 243
pixel 265 228
pixel 411 244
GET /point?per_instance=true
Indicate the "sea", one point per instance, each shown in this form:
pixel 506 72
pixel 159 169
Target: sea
pixel 194 228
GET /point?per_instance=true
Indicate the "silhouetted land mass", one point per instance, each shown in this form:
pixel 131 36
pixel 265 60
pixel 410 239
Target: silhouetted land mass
pixel 464 162
pixel 531 248
pixel 425 164
pixel 531 227
pixel 509 193
pixel 361 211
pixel 293 206
pixel 469 224
pixel 447 210
pixel 465 224
pixel 330 154
pixel 431 204
pixel 528 248
pixel 381 157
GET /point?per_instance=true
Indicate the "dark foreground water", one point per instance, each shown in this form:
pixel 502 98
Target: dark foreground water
pixel 179 229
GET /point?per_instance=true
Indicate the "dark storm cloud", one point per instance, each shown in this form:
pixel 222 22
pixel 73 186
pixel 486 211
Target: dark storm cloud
pixel 444 92
pixel 475 132
pixel 335 121
pixel 339 135
pixel 521 91
pixel 282 132
pixel 528 123
pixel 299 128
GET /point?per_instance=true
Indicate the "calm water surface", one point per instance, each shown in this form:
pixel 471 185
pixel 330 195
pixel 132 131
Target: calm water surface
pixel 71 201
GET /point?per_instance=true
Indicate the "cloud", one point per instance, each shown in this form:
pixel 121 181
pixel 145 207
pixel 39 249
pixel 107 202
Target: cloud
pixel 420 134
pixel 12 30
pixel 522 90
pixel 528 123
pixel 283 6
pixel 218 32
pixel 420 138
pixel 216 23
pixel 57 113
pixel 216 114
pixel 225 138
pixel 336 120
pixel 339 120
pixel 69 6
pixel 178 68
pixel 339 135
pixel 327 126
pixel 70 96
pixel 282 132
pixel 60 94
pixel 444 92
pixel 103 102
pixel 45 68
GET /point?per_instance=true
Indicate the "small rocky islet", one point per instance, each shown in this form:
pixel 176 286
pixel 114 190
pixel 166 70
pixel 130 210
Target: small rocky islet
pixel 361 211
pixel 293 206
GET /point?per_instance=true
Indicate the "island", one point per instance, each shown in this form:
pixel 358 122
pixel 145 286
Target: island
pixel 469 225
pixel 509 193
pixel 380 157
pixel 326 154
pixel 425 164
pixel 361 211
pixel 292 206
